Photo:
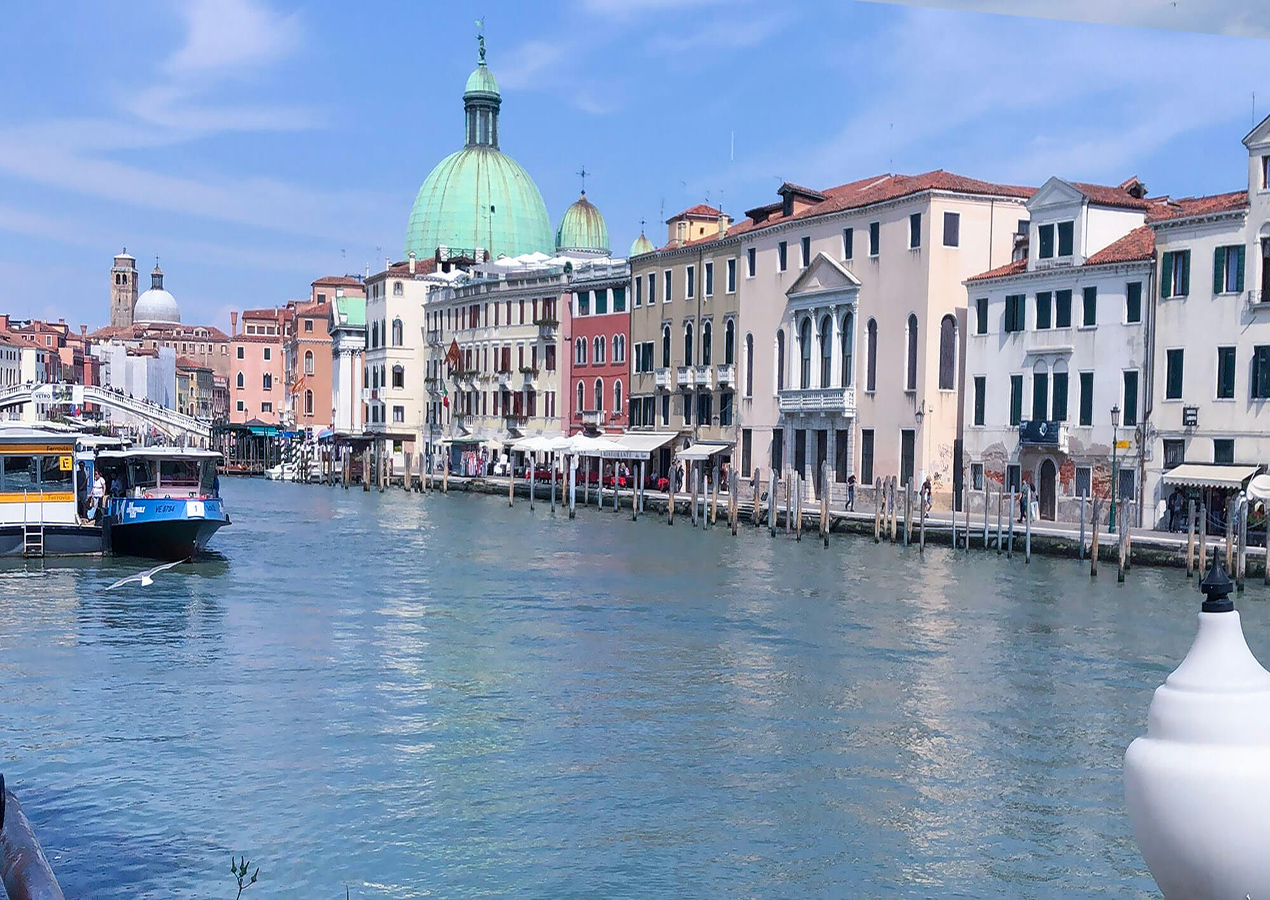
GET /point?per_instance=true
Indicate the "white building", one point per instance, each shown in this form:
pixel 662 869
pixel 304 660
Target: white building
pixel 148 374
pixel 1212 339
pixel 347 328
pixel 1057 339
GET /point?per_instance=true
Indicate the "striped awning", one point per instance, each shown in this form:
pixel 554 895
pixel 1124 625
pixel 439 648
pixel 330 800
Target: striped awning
pixel 1201 475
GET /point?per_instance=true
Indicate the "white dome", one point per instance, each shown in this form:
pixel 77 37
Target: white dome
pixel 156 305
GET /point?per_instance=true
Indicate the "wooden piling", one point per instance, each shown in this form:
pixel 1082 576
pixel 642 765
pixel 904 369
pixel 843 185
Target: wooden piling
pixel 1230 534
pixel 734 504
pixel 445 475
pixel 366 469
pixel 877 510
pixel 908 512
pixel 824 503
pixel 573 486
pixel 1130 509
pixel 1190 538
pixel 1027 527
pixel 1120 544
pixel 1009 545
pixel 1241 560
pixel 789 504
pixel 985 513
pixel 714 496
pixel 511 482
pixel 1000 502
pixel 798 507
pixel 771 503
pixel 533 477
pixel 965 500
pixel 1093 540
pixel 551 462
pixel 1203 541
pixel 670 507
pixel 692 493
pixel 1081 548
pixel 921 530
pixel 755 515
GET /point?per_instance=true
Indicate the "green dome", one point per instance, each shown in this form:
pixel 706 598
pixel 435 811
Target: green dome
pixel 642 245
pixel 582 229
pixel 479 197
pixel 481 81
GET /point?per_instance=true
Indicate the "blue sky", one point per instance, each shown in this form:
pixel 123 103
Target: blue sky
pixel 254 145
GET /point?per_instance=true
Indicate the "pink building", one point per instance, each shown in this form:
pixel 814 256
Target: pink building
pixel 598 363
pixel 257 384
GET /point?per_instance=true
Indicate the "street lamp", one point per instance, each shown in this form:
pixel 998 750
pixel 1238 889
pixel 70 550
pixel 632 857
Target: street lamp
pixel 1115 423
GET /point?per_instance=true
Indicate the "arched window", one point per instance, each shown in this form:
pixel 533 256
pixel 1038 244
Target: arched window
pixel 308 403
pixel 910 372
pixel 780 359
pixel 599 350
pixel 579 351
pixel 398 333
pixel 665 346
pixel 267 381
pixel 826 352
pixel 749 364
pixel 847 378
pixel 729 342
pixel 599 394
pixel 804 354
pixel 871 357
pixel 241 383
pixel 619 348
pixel 947 353
pixel 581 399
pixel 707 332
pixel 688 344
pixel 308 362
pixel 398 377
pixel 617 396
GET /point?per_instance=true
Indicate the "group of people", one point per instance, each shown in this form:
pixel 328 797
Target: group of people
pixel 91 494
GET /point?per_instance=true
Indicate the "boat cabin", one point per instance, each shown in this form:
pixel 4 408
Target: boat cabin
pixel 37 477
pixel 163 473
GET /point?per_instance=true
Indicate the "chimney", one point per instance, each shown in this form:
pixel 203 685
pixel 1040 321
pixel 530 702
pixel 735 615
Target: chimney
pixel 339 292
pixel 233 323
pixel 681 230
pixel 723 224
pixel 83 330
pixel 412 262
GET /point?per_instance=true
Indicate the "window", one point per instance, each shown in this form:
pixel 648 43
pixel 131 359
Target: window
pixel 1015 313
pixel 729 342
pixel 1265 173
pixel 240 352
pixel 619 350
pixel 749 364
pixel 871 356
pixel 709 279
pixel 778 449
pixel 617 396
pixel 639 295
pixel 914 231
pixel 804 354
pixel 267 353
pixel 848 240
pixel 1260 373
pixel 976 476
pixel 669 277
pixel 396 289
pixel 1133 302
pixel 952 229
pixel 1066 232
pixel 686 397
pixel 266 407
pixel 749 262
pixel 1174 453
pixel 688 344
pixel 550 357
pixel 599 394
pixel 619 300
pixel 652 289
pixel 240 406
pixel 1089 311
pixel 847 375
pixel 875 238
pixel 981 315
pixel 308 324
pixel 1013 477
pixel 399 414
pixel 781 252
pixel 308 403
pixel 665 409
pixel 598 356
pixel 1175 274
pixel 579 351
pixel 948 353
pixel 1043 310
pixel 731 275
pixel 241 382
pixel 581 398
pixel 707 336
pixel 1224 451
pixel 804 246
pixel 866 456
pixel 747 451
pixel 1059 406
pixel 1173 374
pixel 690 282
pixel 1129 416
pixel 725 408
pixel 1084 480
pixel 826 352
pixel 910 379
pixel 1040 392
pixel 1225 373
pixel 1045 241
pixel 665 346
pixel 1016 399
pixel 908 446
pixel 398 377
pixel 308 362
pixel 1228 270
pixel 980 390
pixel 583 299
pixel 780 359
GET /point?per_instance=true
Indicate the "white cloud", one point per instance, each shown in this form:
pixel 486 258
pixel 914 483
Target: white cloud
pixel 1229 17
pixel 229 35
pixel 531 64
pixel 726 33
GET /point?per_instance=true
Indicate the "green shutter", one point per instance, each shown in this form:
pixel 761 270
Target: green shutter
pixel 1219 270
pixel 1239 269
pixel 1184 259
pixel 1060 397
pixel 1166 275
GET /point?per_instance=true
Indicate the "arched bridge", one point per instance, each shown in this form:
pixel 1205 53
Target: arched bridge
pixel 169 421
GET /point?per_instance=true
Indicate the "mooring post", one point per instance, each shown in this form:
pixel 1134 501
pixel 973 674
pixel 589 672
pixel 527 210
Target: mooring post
pixel 533 477
pixel 714 494
pixel 670 506
pixel 985 513
pixel 1230 534
pixel 445 475
pixel 965 499
pixel 1009 546
pixel 877 510
pixel 908 512
pixel 824 502
pixel 1130 508
pixel 692 493
pixel 1081 547
pixel 798 507
pixel 1000 503
pixel 1027 527
pixel 771 503
pixel 1120 546
pixel 1241 561
pixel 734 501
pixel 1190 538
pixel 23 866
pixel 573 485
pixel 921 528
pixel 754 507
pixel 511 481
pixel 1203 540
pixel 1093 540
pixel 365 468
pixel 551 462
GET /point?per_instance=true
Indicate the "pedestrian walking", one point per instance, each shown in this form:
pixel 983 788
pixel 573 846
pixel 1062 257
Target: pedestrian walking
pixel 927 491
pixel 851 492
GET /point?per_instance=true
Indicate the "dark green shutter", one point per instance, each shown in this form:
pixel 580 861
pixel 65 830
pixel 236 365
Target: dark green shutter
pixel 1040 395
pixel 1059 412
pixel 980 389
pixel 1166 276
pixel 1184 259
pixel 1130 398
pixel 1016 399
pixel 1219 270
pixel 1239 269
pixel 1086 398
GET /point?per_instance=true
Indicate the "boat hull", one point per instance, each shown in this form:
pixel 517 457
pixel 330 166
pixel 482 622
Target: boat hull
pixel 59 540
pixel 162 528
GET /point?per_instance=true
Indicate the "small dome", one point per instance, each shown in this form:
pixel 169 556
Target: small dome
pixel 582 229
pixel 481 81
pixel 156 305
pixel 642 245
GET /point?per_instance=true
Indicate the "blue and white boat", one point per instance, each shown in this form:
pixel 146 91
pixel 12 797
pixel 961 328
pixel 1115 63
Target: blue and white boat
pixel 162 502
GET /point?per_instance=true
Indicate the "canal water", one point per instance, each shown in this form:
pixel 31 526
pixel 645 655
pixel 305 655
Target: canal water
pixel 445 697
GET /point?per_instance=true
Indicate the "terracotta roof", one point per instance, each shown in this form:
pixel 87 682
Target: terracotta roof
pixel 339 281
pixel 311 308
pixel 1166 208
pixel 184 362
pixel 399 269
pixel 1105 195
pixel 158 329
pixel 1016 267
pixel 790 188
pixel 700 211
pixel 259 339
pixel 1135 246
pixel 277 313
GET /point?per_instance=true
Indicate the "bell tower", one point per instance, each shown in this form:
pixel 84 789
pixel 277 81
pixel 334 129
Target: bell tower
pixel 123 290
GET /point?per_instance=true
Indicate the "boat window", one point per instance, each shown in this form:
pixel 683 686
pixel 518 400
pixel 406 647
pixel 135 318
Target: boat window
pixel 178 472
pixel 20 473
pixel 56 472
pixel 140 473
pixel 207 479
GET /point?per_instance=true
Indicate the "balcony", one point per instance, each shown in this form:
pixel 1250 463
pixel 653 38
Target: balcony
pixel 1259 299
pixel 464 422
pixel 686 376
pixel 547 328
pixel 662 377
pixel 505 379
pixel 433 385
pixel 592 417
pixel 833 401
pixel 727 375
pixel 1048 342
pixel 1037 433
pixel 705 377
pixel 514 421
pixel 434 337
pixel 529 377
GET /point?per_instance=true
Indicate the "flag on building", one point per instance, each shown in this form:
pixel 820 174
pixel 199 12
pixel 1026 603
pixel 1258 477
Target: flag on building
pixel 452 355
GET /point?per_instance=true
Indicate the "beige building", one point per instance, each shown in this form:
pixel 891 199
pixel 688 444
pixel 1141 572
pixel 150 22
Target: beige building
pixel 849 315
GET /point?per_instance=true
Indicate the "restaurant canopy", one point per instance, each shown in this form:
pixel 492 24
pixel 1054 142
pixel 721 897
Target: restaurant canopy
pixel 1201 475
pixel 703 450
pixel 639 445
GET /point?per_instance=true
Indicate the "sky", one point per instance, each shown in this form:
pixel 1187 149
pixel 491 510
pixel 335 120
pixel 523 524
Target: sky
pixel 255 145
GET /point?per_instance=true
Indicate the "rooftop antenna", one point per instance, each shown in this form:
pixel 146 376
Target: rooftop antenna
pixel 661 209
pixel 583 173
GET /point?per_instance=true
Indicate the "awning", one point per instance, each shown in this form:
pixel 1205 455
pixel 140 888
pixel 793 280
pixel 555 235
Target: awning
pixel 638 445
pixel 1199 475
pixel 703 450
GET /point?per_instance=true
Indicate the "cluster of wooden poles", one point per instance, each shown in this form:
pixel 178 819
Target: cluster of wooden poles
pixel 1236 541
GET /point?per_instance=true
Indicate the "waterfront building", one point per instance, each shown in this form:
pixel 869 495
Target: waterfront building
pixel 850 311
pixel 257 374
pixel 143 373
pixel 308 363
pixel 195 385
pixel 347 327
pixel 1211 339
pixel 1057 337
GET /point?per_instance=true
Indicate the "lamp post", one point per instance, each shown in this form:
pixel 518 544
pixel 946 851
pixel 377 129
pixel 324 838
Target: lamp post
pixel 1115 477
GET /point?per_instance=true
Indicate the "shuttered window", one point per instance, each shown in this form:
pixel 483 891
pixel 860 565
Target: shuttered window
pixel 1063 309
pixel 1059 412
pixel 1044 308
pixel 1175 274
pixel 1016 399
pixel 1173 374
pixel 1225 373
pixel 1228 270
